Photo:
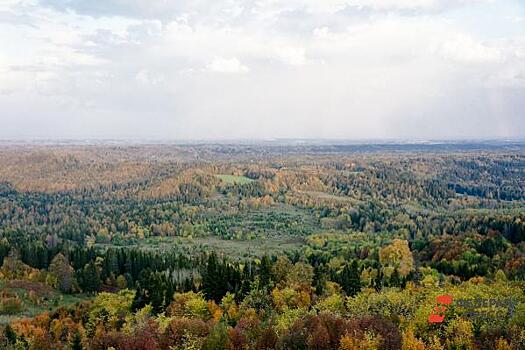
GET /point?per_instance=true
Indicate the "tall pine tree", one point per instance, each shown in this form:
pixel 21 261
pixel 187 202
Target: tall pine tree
pixel 350 279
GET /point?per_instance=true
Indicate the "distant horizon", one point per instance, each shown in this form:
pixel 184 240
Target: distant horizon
pixel 241 141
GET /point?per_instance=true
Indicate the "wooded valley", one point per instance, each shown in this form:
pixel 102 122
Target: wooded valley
pixel 263 246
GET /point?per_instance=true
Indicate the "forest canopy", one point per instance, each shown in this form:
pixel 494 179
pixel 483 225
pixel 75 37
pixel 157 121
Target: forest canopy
pixel 219 246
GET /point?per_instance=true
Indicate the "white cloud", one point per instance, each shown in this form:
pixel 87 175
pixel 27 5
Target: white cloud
pixel 413 4
pixel 147 77
pixel 317 68
pixel 394 4
pixel 464 49
pixel 295 56
pixel 227 65
pixel 271 8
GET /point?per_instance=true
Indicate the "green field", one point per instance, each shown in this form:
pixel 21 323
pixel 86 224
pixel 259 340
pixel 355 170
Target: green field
pixel 235 249
pixel 35 298
pixel 234 179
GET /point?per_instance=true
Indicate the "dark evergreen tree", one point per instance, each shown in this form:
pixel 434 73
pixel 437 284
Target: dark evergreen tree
pixel 350 279
pixel 90 278
pixel 265 272
pixel 142 296
pixel 378 281
pixel 110 264
pixel 320 278
pixel 246 282
pixel 212 279
pixel 395 279
pixel 76 343
pixel 10 335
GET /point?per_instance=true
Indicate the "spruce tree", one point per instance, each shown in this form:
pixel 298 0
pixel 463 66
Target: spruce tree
pixel 351 279
pixel 265 271
pixel 90 278
pixel 76 343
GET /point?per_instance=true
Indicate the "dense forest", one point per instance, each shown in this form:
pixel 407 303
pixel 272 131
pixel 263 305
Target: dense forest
pixel 218 246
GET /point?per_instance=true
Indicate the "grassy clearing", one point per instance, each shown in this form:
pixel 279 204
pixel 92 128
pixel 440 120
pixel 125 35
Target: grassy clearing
pixel 264 223
pixel 234 179
pixel 36 298
pixel 250 233
pixel 233 248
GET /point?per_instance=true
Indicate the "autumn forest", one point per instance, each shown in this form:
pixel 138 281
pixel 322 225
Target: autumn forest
pixel 262 246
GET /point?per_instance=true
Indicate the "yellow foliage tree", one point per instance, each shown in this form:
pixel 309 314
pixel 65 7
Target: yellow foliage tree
pixel 460 334
pixel 410 342
pixel 397 255
pixel 368 341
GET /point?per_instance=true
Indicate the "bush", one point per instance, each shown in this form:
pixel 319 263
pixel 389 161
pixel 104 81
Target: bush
pixel 10 305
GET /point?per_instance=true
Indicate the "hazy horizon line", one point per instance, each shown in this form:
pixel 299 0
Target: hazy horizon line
pixel 277 140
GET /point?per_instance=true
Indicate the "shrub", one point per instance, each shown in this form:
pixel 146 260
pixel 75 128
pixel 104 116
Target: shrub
pixel 10 305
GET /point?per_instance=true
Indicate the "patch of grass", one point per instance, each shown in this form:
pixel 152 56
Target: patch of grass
pixel 36 298
pixel 249 233
pixel 234 179
pixel 234 248
pixel 265 223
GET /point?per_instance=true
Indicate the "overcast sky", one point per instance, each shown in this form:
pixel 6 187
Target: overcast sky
pixel 212 69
